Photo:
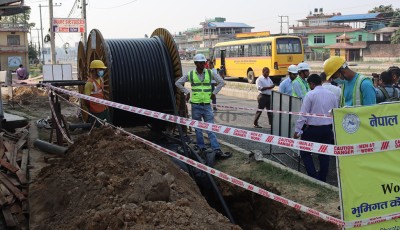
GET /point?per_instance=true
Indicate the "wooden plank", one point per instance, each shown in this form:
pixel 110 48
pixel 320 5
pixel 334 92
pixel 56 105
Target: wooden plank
pixel 9 219
pixel 6 194
pixel 8 156
pixel 2 148
pixel 18 145
pixel 22 177
pixel 3 200
pixel 24 161
pixel 8 166
pixel 15 208
pixel 9 145
pixel 17 193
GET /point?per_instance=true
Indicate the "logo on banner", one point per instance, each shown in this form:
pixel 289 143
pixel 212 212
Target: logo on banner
pixel 351 123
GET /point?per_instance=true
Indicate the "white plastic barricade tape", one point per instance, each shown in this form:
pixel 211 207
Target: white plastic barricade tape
pixel 274 111
pixel 256 189
pixel 326 149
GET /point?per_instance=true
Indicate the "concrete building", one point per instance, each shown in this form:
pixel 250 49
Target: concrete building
pixel 13 37
pixel 212 31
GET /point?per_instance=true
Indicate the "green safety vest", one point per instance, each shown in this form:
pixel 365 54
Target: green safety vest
pixel 304 87
pixel 201 90
pixel 357 94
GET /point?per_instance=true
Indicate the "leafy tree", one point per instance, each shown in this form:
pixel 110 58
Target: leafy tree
pixel 391 16
pixel 395 39
pixel 17 18
pixel 32 52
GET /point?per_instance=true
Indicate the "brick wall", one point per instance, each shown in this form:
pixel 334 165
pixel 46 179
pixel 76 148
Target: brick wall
pixel 382 51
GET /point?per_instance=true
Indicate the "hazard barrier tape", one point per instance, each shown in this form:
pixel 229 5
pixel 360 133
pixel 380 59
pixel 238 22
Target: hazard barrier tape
pixel 326 149
pixel 256 189
pixel 274 111
pixel 58 122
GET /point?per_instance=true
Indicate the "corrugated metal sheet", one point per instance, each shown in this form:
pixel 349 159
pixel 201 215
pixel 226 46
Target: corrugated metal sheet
pixel 353 17
pixel 228 25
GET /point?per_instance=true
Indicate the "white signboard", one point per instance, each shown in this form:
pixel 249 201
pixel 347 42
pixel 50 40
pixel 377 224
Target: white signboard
pixel 68 25
pixel 57 72
pixel 14 61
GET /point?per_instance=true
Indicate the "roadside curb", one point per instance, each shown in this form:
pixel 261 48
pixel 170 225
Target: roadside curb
pixel 277 165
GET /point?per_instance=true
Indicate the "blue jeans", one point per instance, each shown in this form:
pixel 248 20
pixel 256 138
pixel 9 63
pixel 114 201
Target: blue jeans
pixel 204 112
pixel 319 134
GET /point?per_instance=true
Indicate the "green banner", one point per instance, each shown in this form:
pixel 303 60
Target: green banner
pixel 370 183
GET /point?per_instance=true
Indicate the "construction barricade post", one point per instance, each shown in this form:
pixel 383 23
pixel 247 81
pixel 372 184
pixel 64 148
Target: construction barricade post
pixel 369 183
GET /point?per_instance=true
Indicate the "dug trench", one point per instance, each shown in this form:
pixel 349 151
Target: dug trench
pixel 109 181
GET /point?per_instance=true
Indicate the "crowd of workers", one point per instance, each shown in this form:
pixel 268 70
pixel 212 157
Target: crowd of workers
pixel 337 86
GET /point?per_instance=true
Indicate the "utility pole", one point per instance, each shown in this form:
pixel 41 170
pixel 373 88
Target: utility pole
pixel 41 31
pixel 52 42
pixel 84 18
pixel 287 21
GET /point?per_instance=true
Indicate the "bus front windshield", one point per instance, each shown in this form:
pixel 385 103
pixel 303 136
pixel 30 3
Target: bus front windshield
pixel 288 46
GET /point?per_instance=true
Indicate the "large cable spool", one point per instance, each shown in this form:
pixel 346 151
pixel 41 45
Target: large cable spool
pixel 141 73
pixel 82 72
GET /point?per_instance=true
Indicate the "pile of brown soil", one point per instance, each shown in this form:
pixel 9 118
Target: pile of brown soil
pixel 25 94
pixel 108 181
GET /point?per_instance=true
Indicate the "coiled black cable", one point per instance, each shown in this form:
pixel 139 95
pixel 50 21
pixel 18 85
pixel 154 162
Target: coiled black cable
pixel 140 76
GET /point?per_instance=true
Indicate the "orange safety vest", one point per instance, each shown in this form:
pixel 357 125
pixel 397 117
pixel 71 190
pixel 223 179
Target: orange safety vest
pixel 97 93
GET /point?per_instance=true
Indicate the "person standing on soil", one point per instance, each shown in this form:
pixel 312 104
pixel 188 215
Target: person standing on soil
pixel 387 92
pixel 264 86
pixel 357 89
pixel 22 73
pixel 94 87
pixel 286 85
pixel 300 86
pixel 200 80
pixel 315 129
pixel 396 74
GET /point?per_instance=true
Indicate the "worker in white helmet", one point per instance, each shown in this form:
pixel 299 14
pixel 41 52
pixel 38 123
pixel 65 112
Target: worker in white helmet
pixel 300 86
pixel 286 85
pixel 200 80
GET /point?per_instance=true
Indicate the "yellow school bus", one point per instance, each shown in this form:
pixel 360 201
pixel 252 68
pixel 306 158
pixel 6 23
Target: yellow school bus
pixel 246 58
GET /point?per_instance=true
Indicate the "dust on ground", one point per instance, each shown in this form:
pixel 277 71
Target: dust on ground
pixel 108 181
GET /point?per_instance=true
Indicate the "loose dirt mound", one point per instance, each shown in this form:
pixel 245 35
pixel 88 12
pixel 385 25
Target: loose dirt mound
pixel 117 183
pixel 27 93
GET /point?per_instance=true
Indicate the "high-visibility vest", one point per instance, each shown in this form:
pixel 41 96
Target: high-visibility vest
pixel 357 94
pixel 304 87
pixel 201 90
pixel 97 93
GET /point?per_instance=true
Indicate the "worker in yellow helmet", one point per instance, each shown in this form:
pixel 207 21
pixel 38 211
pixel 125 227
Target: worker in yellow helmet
pixel 94 87
pixel 356 88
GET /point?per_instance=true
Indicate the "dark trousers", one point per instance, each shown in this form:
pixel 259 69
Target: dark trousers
pixel 264 102
pixel 320 134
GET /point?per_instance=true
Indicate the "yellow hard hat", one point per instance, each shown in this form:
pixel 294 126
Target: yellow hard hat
pixel 332 64
pixel 97 64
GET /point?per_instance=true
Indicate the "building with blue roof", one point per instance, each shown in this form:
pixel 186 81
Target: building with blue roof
pixel 212 31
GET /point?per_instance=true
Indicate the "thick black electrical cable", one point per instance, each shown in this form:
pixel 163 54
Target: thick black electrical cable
pixel 184 146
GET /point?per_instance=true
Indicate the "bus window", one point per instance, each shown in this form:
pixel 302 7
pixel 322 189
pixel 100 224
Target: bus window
pixel 256 50
pixel 288 46
pixel 246 50
pixel 241 51
pixel 269 50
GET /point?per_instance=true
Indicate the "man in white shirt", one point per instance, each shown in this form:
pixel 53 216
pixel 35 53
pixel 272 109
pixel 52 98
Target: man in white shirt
pixel 327 84
pixel 264 86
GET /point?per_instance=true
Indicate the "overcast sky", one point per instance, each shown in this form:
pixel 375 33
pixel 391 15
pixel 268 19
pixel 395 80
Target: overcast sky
pixel 134 19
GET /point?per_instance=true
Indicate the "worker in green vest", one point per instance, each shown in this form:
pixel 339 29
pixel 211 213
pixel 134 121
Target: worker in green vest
pixel 202 94
pixel 300 86
pixel 356 88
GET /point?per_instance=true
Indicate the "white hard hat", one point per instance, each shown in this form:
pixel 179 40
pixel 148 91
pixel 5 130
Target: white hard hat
pixel 303 66
pixel 292 69
pixel 199 58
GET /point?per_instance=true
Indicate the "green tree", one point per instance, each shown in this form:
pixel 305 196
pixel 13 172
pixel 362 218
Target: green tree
pixel 32 52
pixel 395 39
pixel 391 16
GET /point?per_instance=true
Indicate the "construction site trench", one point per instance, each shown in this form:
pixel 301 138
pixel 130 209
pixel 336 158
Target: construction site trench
pixel 110 181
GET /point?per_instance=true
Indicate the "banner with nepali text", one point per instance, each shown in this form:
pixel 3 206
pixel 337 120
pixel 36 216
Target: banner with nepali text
pixel 370 183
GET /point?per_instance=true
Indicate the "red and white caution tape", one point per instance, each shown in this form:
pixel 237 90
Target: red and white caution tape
pixel 58 122
pixel 258 190
pixel 274 111
pixel 326 149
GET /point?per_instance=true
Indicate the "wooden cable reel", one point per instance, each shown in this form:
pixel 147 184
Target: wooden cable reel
pixel 134 68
